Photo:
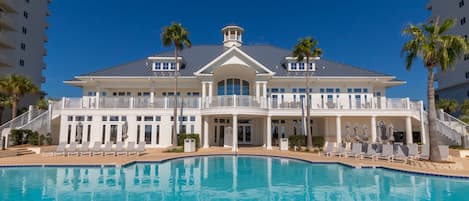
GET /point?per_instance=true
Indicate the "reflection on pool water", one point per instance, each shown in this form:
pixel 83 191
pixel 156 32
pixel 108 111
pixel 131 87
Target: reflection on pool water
pixel 225 178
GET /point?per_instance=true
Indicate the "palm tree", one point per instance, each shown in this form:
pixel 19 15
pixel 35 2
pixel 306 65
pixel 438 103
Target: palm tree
pixel 4 102
pixel 178 36
pixel 16 86
pixel 306 48
pixel 437 49
pixel 448 105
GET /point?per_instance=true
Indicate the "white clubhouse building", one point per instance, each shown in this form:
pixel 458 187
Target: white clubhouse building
pixel 253 91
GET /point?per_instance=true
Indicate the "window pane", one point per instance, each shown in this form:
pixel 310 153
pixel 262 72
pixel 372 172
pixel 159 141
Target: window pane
pixel 148 134
pixel 237 87
pixel 221 88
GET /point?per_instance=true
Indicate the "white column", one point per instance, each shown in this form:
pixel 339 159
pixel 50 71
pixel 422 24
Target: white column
pixel 210 90
pixel 338 129
pixel 257 90
pixel 152 97
pixel 235 133
pixel 98 94
pixel 205 132
pixel 373 129
pixel 408 130
pixel 264 89
pixel 204 90
pixel 423 135
pixel 204 94
pixel 269 132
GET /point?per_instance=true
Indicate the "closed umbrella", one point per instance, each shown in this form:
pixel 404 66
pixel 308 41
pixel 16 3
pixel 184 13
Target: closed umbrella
pixel 355 132
pixel 79 133
pixel 347 132
pixel 391 133
pixel 125 128
pixel 365 132
pixel 379 133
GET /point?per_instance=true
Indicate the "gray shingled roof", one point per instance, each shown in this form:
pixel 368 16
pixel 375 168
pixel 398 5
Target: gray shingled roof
pixel 270 56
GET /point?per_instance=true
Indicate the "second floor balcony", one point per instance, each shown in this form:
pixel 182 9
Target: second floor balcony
pixel 229 102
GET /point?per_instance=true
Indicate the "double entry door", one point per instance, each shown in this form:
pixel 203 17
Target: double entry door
pixel 244 134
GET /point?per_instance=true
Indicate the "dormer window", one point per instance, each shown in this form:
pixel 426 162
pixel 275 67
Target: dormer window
pixel 165 65
pixel 156 66
pixel 295 66
pixel 302 67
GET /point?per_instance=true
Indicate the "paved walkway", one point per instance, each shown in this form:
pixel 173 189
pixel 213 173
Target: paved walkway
pixel 160 155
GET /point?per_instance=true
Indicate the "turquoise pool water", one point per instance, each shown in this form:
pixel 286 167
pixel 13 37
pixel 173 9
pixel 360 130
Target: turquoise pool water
pixel 225 178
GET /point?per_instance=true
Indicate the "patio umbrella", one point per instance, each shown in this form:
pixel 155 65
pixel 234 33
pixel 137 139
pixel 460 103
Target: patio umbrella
pixel 79 133
pixel 379 133
pixel 355 132
pixel 391 133
pixel 365 132
pixel 347 132
pixel 125 128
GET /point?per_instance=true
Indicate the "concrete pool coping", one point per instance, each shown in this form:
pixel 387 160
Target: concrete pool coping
pixel 158 156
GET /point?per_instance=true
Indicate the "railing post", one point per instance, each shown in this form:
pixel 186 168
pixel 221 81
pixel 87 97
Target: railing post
pixel 131 102
pixel 165 102
pixel 407 101
pixel 49 119
pixel 234 100
pixel 63 102
pixel 200 102
pixel 30 111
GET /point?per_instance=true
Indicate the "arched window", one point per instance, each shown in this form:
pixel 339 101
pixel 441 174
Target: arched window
pixel 233 86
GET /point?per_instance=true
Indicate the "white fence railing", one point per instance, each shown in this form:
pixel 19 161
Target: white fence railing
pixel 317 103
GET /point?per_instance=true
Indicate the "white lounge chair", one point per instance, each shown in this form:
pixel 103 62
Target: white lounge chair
pixel 371 152
pixel 120 149
pixel 413 151
pixel 140 148
pixel 84 149
pixel 340 151
pixel 356 151
pixel 96 149
pixel 60 149
pixel 130 147
pixel 72 149
pixel 425 152
pixel 107 150
pixel 387 153
pixel 400 154
pixel 329 149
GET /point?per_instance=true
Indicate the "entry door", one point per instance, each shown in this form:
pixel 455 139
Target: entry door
pixel 221 136
pixel 244 134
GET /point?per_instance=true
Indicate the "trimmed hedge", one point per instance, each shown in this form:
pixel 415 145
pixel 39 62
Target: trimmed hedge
pixel 300 140
pixel 24 136
pixel 183 136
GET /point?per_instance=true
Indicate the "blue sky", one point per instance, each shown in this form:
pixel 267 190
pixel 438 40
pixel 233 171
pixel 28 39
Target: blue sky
pixel 88 35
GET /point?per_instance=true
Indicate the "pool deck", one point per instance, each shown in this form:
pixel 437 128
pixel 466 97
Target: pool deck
pixel 157 155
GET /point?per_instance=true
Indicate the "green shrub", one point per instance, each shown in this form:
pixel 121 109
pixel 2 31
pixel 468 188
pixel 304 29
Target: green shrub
pixel 296 140
pixel 183 136
pixel 24 136
pixel 318 141
pixel 16 137
pixel 32 138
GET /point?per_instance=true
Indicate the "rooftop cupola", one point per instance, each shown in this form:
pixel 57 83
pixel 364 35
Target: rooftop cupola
pixel 232 36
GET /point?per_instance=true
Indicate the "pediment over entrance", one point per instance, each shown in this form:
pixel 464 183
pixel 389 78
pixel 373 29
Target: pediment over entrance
pixel 234 57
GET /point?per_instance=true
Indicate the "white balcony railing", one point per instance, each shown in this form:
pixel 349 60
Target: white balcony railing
pixel 317 103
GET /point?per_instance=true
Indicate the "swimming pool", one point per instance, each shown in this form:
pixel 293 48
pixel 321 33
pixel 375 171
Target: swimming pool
pixel 225 178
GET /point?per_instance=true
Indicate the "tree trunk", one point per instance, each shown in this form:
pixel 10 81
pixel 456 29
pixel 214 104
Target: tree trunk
pixel 309 139
pixel 14 105
pixel 432 131
pixel 175 119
